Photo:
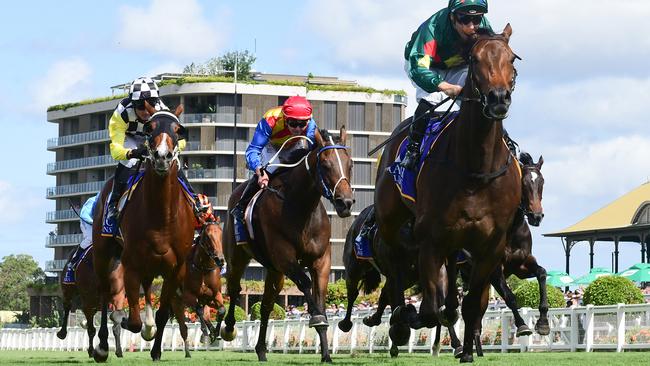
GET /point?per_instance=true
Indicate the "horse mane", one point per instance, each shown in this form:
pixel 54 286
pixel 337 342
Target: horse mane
pixel 526 159
pixel 326 136
pixel 481 34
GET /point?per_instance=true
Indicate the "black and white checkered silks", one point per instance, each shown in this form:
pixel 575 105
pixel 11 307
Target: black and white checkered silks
pixel 143 88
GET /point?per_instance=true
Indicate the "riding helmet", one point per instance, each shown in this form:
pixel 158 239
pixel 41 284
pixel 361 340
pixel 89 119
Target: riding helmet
pixel 468 6
pixel 297 107
pixel 143 88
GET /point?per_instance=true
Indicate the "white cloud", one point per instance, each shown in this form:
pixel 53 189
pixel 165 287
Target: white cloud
pixel 65 81
pixel 16 203
pixel 170 28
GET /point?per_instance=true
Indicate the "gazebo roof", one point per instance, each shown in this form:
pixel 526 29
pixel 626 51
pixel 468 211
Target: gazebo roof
pixel 629 212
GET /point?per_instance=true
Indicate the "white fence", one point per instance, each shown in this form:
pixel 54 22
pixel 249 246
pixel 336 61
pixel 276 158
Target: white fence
pixel 615 328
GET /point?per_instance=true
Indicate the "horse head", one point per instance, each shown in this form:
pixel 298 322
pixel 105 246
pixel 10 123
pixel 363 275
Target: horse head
pixel 492 74
pixel 532 185
pixel 210 242
pixel 334 170
pixel 163 131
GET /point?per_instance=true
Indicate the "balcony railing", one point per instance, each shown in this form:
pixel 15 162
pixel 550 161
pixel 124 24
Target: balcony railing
pixel 93 161
pixel 80 138
pixel 74 189
pixel 221 173
pixel 55 265
pixel 62 215
pixel 63 240
pixel 197 146
pixel 193 118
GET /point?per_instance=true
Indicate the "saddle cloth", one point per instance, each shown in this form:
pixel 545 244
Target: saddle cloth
pixel 70 277
pixel 406 180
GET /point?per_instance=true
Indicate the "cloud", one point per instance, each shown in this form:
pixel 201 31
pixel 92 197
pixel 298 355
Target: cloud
pixel 65 81
pixel 170 28
pixel 16 203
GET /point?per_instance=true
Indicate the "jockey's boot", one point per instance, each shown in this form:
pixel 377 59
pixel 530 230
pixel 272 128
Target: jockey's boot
pixel 241 235
pixel 120 180
pixel 416 132
pixel 69 276
pixel 197 203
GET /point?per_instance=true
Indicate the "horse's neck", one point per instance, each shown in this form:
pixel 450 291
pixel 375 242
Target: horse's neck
pixel 162 193
pixel 478 141
pixel 303 189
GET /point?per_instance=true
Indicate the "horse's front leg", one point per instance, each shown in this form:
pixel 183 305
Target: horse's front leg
pixel 132 287
pixel 162 315
pixel 236 268
pixel 382 303
pixel 320 273
pixel 430 265
pixel 449 315
pixel 67 306
pixel 352 278
pixel 542 326
pixel 498 281
pixel 272 287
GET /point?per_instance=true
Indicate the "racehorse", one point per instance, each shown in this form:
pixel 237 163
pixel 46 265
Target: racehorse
pixel 85 287
pixel 292 231
pixel 361 272
pixel 468 192
pixel 157 227
pixel 202 282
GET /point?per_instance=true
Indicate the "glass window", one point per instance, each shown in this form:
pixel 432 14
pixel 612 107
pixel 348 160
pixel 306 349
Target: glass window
pixel 226 108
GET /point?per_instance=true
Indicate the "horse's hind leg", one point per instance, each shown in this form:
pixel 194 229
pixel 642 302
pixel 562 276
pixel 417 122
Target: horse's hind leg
pixel 320 272
pixel 179 314
pixel 67 305
pixel 542 326
pixel 205 336
pixel 352 285
pixel 272 287
pixel 375 319
pixel 90 314
pixel 116 318
pixel 132 286
pixel 455 342
pixel 162 316
pixel 235 271
pixel 499 283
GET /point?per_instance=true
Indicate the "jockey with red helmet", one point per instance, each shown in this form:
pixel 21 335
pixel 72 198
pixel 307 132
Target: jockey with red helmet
pixel 293 118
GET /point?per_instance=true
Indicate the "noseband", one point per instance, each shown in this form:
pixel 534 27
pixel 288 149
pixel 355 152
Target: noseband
pixel 149 137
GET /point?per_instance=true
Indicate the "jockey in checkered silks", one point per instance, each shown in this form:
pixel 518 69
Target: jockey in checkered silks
pixel 127 138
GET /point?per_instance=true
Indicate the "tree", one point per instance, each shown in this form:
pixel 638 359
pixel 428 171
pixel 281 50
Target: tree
pixel 218 65
pixel 17 272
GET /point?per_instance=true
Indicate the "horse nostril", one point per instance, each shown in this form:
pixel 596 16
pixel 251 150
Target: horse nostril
pixel 155 154
pixel 169 155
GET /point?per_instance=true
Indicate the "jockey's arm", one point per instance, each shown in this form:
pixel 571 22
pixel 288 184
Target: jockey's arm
pixel 117 132
pixel 419 52
pixel 261 137
pixel 311 131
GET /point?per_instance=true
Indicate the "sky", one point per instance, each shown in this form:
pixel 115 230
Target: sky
pixel 580 99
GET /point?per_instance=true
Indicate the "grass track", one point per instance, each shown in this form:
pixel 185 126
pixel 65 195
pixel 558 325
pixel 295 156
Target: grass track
pixel 236 359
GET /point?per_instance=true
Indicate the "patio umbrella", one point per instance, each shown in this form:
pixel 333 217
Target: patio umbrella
pixel 558 279
pixel 639 272
pixel 593 274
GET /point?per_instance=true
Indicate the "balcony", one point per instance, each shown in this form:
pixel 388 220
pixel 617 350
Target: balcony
pixel 74 189
pixel 196 118
pixel 221 173
pixel 60 216
pixel 78 139
pixel 197 146
pixel 83 163
pixel 68 240
pixel 55 265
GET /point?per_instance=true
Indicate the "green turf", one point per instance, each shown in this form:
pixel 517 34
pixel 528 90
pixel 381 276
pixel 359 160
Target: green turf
pixel 234 359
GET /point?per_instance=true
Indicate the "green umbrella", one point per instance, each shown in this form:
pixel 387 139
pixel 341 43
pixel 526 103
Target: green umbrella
pixel 593 274
pixel 558 279
pixel 639 272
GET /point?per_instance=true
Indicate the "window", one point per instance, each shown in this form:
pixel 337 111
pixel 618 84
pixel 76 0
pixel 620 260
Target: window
pixel 360 146
pixel 98 122
pixel 198 104
pixel 361 173
pixel 356 116
pixel 364 198
pixel 329 115
pixel 226 108
pixel 397 116
pixel 378 108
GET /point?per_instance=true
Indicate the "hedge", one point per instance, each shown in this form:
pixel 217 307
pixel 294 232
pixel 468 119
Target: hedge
pixel 240 314
pixel 611 290
pixel 277 313
pixel 527 295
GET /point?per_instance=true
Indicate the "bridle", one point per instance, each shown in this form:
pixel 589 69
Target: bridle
pixel 522 205
pixel 148 143
pixel 218 262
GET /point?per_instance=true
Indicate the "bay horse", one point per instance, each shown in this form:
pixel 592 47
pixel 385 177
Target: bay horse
pixel 362 273
pixel 202 282
pixel 85 290
pixel 157 227
pixel 468 192
pixel 292 231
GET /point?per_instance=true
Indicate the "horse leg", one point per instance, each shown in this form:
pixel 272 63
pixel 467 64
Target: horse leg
pixel 501 286
pixel 455 342
pixel 352 279
pixel 90 314
pixel 179 314
pixel 475 304
pixel 430 265
pixel 542 326
pixel 435 346
pixel 132 286
pixel 100 353
pixel 449 315
pixel 116 318
pixel 205 336
pixel 67 305
pixel 320 272
pixel 272 287
pixel 101 261
pixel 235 272
pixel 375 319
pixel 162 316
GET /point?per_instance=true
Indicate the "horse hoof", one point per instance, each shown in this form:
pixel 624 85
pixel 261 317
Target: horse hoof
pixel 326 359
pixel 188 355
pixel 261 357
pixel 148 335
pixel 84 324
pixel 399 334
pixel 318 321
pixel 99 355
pixel 466 358
pixel 458 351
pixel 228 335
pixel 543 328
pixel 61 334
pixel 90 352
pixel 435 351
pixel 206 339
pixel 345 325
pixel 371 321
pixel 119 354
pixel 523 331
pixel 155 355
pixel 394 352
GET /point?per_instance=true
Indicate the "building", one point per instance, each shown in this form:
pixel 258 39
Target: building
pixel 212 108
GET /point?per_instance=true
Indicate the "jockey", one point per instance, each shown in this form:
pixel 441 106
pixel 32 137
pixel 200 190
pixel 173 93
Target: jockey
pixel 293 118
pixel 127 139
pixel 86 224
pixel 206 213
pixel 434 63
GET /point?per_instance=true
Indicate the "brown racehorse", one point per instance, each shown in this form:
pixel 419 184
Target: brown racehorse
pixel 291 232
pixel 467 195
pixel 202 283
pixel 361 271
pixel 157 227
pixel 85 288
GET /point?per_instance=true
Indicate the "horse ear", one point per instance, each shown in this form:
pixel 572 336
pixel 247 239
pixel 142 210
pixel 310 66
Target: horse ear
pixel 319 138
pixel 507 32
pixel 540 162
pixel 179 110
pixel 343 135
pixel 150 109
pixel 217 219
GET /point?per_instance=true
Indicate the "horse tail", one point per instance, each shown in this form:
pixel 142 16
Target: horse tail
pixel 370 280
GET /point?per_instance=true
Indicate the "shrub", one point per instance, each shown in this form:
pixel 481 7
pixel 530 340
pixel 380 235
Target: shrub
pixel 527 295
pixel 277 313
pixel 611 290
pixel 337 293
pixel 514 282
pixel 240 314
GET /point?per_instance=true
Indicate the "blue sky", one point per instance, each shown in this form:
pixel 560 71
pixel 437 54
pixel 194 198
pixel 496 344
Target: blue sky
pixel 580 101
